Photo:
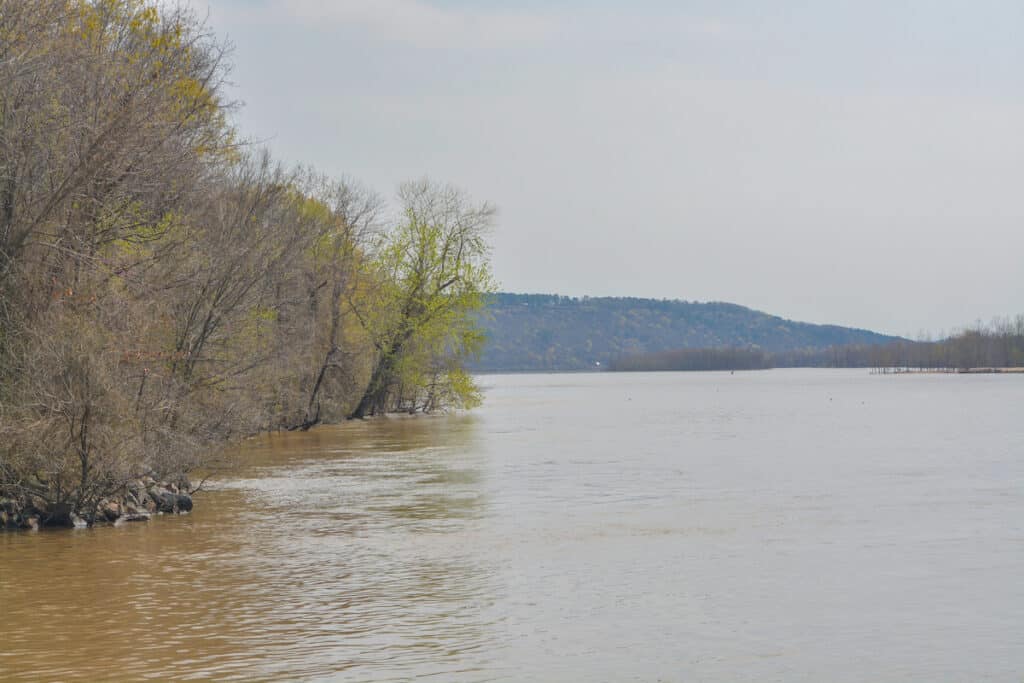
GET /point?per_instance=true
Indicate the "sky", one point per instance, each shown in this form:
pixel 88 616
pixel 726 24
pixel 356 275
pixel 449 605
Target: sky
pixel 853 162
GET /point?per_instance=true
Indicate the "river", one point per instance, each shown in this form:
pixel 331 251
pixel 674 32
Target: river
pixel 791 525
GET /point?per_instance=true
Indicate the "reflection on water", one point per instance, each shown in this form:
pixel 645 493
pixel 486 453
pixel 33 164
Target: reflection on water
pixel 783 525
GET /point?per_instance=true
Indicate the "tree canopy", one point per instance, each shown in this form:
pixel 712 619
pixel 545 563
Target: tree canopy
pixel 430 275
pixel 166 287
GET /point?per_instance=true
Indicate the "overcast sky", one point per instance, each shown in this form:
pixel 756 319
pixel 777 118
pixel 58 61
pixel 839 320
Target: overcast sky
pixel 858 162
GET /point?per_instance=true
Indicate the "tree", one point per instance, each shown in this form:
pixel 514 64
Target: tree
pixel 163 289
pixel 351 213
pixel 429 276
pixel 110 122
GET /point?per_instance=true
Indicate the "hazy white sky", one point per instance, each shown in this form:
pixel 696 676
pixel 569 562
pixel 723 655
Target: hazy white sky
pixel 853 162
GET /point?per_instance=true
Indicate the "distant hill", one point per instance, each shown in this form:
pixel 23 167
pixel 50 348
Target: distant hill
pixel 544 332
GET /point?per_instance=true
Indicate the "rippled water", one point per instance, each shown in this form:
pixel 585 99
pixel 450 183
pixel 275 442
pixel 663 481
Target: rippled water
pixel 782 525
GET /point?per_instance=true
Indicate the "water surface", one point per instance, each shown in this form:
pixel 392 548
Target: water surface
pixel 785 525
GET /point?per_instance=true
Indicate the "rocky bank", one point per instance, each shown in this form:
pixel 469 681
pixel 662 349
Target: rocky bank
pixel 139 499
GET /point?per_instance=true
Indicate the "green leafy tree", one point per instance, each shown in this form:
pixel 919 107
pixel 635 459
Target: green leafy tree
pixel 430 276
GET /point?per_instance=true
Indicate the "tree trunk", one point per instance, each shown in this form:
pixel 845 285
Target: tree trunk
pixel 312 419
pixel 380 381
pixel 376 391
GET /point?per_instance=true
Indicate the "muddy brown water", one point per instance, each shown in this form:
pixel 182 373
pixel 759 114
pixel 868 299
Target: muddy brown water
pixel 791 525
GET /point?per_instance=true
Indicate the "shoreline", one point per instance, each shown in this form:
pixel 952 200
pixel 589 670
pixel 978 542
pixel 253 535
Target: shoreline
pixel 949 371
pixel 137 501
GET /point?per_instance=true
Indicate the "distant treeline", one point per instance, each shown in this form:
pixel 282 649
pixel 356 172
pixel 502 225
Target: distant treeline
pixel 1000 344
pixel 550 333
pixel 695 359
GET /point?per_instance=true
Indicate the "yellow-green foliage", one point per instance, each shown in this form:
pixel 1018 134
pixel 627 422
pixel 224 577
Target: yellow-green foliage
pixel 432 276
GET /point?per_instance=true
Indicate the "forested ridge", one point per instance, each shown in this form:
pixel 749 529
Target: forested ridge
pixel 545 332
pixel 166 287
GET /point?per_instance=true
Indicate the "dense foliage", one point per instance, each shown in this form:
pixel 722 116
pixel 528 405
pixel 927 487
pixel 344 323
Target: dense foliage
pixel 549 332
pixel 164 288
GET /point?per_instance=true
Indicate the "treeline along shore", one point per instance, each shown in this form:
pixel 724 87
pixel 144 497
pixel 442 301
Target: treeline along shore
pixel 166 288
pixel 992 348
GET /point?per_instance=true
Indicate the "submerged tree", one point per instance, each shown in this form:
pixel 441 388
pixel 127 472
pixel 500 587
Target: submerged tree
pixel 428 277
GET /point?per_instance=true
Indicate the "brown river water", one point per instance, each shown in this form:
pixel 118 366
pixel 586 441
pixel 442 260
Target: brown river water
pixel 787 525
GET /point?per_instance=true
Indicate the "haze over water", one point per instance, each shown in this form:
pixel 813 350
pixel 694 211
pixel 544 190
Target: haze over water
pixel 781 525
